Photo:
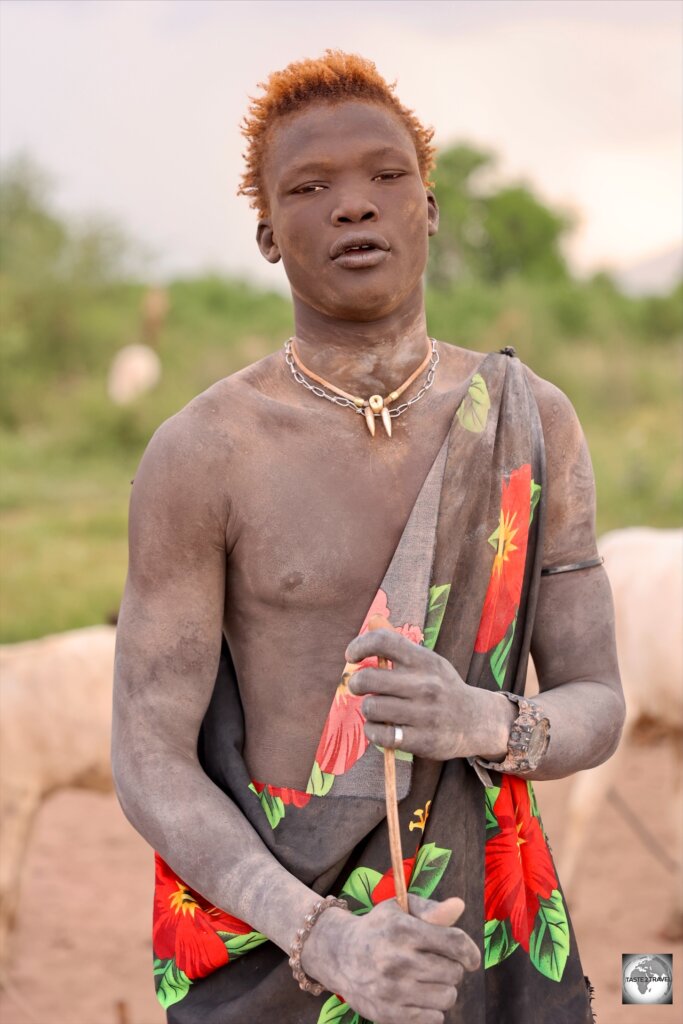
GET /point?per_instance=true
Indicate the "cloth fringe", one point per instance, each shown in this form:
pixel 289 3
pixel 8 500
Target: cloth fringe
pixel 591 996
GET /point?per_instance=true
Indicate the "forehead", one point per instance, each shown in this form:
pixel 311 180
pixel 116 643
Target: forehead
pixel 324 132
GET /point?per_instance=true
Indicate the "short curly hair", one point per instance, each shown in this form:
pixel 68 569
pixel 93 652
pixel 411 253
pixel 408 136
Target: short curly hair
pixel 334 77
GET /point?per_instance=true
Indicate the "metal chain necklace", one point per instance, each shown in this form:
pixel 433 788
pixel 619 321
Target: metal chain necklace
pixel 370 407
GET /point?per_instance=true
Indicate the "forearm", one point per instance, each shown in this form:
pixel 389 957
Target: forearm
pixel 206 839
pixel 586 720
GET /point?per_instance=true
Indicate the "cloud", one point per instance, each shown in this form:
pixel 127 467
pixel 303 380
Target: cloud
pixel 135 106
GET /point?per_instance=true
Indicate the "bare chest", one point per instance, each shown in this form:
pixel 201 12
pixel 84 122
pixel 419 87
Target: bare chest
pixel 320 515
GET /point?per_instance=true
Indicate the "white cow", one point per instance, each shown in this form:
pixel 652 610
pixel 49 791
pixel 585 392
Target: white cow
pixel 55 723
pixel 645 570
pixel 135 370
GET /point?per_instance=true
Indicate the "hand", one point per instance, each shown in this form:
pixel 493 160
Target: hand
pixel 441 716
pixel 391 967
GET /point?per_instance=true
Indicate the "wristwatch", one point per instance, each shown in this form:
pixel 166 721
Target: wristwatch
pixel 528 740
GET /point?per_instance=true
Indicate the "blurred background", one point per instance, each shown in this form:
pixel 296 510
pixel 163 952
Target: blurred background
pixel 130 281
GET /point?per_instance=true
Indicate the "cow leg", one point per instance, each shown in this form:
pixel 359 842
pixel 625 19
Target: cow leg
pixel 588 791
pixel 673 925
pixel 18 808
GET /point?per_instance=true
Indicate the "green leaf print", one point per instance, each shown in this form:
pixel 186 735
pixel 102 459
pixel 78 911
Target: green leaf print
pixel 438 599
pixel 501 653
pixel 429 867
pixel 535 498
pixel 549 945
pixel 359 886
pixel 238 945
pixel 532 801
pixel 320 783
pixel 491 795
pixel 498 942
pixel 401 755
pixel 474 409
pixel 336 1011
pixel 172 984
pixel 272 805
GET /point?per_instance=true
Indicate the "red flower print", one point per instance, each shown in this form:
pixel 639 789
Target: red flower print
pixel 386 888
pixel 518 865
pixel 505 585
pixel 185 925
pixel 343 739
pixel 288 796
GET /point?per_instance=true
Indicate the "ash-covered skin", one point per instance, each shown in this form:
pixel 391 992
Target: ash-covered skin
pixel 270 514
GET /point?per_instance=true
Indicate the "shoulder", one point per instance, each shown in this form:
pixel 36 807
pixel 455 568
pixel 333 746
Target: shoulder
pixel 570 484
pixel 213 425
pixel 189 458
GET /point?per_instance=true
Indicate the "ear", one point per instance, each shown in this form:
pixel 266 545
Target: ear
pixel 265 239
pixel 432 213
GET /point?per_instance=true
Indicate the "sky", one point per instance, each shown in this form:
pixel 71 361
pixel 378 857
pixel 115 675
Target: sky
pixel 133 106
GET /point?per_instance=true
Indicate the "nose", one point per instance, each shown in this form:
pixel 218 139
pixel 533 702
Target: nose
pixel 353 209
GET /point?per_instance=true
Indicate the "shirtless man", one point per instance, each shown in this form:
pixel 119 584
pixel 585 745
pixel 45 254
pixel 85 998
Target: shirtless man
pixel 265 513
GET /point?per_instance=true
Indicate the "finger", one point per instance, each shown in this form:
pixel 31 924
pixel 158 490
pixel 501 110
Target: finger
pixel 387 643
pixel 384 735
pixel 391 710
pixel 449 942
pixel 437 969
pixel 393 682
pixel 435 996
pixel 446 913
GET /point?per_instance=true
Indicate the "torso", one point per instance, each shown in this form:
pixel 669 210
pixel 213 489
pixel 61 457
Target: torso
pixel 317 507
pixel 309 509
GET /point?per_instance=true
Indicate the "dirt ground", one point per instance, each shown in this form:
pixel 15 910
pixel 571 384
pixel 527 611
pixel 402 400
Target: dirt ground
pixel 83 940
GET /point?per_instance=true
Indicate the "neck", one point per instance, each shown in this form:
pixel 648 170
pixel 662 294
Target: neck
pixel 362 357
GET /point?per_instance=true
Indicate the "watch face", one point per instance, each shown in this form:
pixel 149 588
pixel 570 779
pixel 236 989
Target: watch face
pixel 538 741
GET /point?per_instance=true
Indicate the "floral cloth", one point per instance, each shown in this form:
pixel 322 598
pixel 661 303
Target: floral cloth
pixel 463 581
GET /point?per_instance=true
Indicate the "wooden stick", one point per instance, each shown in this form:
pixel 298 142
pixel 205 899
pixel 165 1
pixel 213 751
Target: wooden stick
pixel 380 622
pixel 392 821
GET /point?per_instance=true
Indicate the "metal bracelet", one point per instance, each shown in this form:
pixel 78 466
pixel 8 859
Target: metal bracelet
pixel 590 563
pixel 305 983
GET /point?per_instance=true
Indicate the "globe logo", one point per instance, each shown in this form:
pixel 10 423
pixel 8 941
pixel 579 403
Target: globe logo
pixel 646 978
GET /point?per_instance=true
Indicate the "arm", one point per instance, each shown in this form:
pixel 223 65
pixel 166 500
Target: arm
pixel 168 645
pixel 573 643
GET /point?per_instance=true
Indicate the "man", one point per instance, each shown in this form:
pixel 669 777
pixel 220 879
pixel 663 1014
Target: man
pixel 274 521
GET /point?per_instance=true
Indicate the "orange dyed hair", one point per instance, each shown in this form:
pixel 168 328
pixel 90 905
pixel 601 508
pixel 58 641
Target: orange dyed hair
pixel 333 77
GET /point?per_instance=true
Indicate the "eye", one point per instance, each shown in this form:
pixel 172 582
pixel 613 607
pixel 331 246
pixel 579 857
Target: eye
pixel 390 175
pixel 305 189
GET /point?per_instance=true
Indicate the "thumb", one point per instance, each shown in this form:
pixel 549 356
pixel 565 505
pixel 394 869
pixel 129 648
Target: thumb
pixel 445 913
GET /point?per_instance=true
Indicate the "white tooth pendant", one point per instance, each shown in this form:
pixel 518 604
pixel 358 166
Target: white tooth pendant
pixel 376 405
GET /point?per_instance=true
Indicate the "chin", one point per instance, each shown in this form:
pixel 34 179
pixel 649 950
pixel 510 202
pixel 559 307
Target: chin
pixel 360 302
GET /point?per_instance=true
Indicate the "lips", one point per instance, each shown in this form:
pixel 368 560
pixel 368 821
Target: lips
pixel 355 244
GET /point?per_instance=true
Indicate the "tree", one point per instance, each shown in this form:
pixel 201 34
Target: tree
pixel 490 233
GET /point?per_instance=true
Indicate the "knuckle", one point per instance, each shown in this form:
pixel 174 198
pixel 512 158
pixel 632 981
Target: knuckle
pixel 451 998
pixel 430 689
pixel 458 973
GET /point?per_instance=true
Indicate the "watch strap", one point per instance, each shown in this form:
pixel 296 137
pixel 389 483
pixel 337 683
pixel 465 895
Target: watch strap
pixel 517 759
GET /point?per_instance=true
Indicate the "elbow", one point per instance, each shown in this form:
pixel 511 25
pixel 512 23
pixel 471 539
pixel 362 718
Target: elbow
pixel 126 784
pixel 613 727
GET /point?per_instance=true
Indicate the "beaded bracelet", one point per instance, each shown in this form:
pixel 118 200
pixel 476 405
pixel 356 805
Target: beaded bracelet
pixel 306 983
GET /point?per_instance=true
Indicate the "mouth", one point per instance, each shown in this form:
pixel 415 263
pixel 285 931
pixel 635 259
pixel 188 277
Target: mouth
pixel 356 250
pixel 361 257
